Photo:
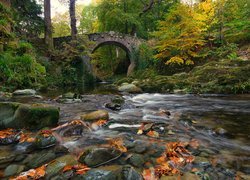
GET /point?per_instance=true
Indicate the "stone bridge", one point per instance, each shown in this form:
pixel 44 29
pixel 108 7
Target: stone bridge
pixel 126 42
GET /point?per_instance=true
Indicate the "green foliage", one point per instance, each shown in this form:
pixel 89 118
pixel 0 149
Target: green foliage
pixel 127 16
pixel 5 24
pixel 27 16
pixel 88 21
pixel 236 20
pixel 18 69
pixel 143 56
pixel 106 59
pixel 60 25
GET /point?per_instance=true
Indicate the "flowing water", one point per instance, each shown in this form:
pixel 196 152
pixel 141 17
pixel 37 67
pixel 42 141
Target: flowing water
pixel 220 123
pixel 192 117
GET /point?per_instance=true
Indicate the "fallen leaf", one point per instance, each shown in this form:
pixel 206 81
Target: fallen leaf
pixel 118 144
pixel 149 174
pixel 153 134
pixel 37 173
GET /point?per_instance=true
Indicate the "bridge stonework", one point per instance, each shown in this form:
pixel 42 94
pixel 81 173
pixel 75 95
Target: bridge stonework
pixel 126 42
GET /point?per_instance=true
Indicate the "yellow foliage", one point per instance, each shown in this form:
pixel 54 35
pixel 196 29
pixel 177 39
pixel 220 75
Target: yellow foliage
pixel 182 34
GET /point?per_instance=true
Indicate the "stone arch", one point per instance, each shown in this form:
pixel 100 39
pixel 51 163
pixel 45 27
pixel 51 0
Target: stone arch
pixel 126 42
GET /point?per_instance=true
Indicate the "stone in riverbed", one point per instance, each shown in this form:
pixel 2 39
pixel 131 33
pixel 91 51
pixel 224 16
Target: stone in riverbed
pixel 126 172
pixel 44 140
pixel 6 157
pixel 36 116
pixel 221 131
pixel 96 115
pixel 113 106
pixel 58 164
pixel 130 88
pixel 39 158
pixel 98 156
pixel 13 169
pixel 137 160
pixel 24 92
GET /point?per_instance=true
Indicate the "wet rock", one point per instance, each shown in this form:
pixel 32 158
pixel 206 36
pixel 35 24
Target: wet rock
pixel 36 116
pixel 7 112
pixel 137 160
pixel 220 131
pixel 97 174
pixel 118 100
pixel 190 176
pixel 11 138
pixel 13 169
pixel 24 92
pixel 6 156
pixel 156 150
pixel 44 141
pixel 70 101
pixel 129 173
pixel 245 168
pixel 128 144
pixel 170 178
pixel 38 159
pixel 58 164
pixel 98 156
pixel 130 88
pixel 113 106
pixel 125 172
pixel 96 115
pixel 140 146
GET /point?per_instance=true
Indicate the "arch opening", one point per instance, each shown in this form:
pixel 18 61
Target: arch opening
pixel 110 59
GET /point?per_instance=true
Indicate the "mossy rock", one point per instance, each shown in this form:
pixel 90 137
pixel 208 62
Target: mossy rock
pixel 15 115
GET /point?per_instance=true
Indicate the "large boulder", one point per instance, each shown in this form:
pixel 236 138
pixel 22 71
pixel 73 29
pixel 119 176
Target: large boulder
pixel 37 116
pixel 130 88
pixel 96 115
pixel 24 92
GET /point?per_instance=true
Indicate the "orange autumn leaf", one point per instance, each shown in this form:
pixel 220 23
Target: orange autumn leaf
pixel 149 174
pixel 67 168
pixel 37 173
pixel 78 169
pixel 118 144
pixel 153 134
pixel 161 159
pixel 76 122
pixel 100 122
pixel 7 132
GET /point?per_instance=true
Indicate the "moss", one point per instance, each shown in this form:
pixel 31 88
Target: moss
pixel 15 115
pixel 224 76
pixel 36 117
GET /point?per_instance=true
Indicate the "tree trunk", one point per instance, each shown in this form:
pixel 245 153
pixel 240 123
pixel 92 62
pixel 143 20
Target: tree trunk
pixel 72 13
pixel 48 26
